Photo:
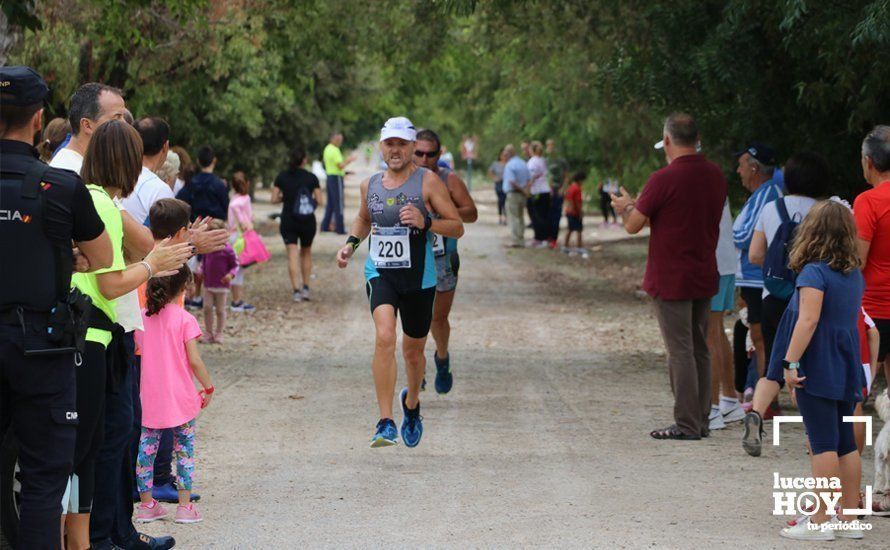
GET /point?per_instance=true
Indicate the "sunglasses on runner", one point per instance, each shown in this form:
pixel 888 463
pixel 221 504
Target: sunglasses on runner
pixel 426 154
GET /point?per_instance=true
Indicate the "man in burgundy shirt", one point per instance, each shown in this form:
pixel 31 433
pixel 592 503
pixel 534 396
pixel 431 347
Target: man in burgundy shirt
pixel 682 203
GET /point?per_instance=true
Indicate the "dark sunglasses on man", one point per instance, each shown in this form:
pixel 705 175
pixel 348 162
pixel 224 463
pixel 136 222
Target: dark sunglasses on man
pixel 425 154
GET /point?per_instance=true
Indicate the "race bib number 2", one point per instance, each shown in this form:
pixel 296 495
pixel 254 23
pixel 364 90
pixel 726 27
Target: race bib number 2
pixel 390 247
pixel 438 245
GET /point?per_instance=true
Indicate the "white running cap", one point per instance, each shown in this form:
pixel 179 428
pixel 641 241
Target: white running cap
pixel 398 127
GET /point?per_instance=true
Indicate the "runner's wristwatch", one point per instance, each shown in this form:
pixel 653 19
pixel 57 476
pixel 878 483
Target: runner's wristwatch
pixel 790 365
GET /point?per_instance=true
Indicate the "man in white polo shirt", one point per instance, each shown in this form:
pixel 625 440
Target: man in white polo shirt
pixel 155 134
pixel 91 105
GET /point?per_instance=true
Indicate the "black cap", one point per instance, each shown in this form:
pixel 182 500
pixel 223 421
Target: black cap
pixel 760 152
pixel 21 86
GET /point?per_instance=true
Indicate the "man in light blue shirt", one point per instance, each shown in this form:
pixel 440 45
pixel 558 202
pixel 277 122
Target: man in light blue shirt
pixel 516 179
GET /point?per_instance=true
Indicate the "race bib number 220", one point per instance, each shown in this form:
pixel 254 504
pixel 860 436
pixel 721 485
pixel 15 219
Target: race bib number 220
pixel 390 247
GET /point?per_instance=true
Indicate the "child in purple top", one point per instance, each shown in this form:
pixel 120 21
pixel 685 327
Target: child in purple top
pixel 219 269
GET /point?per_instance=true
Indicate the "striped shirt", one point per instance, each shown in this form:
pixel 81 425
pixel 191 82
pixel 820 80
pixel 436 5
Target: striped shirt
pixel 748 274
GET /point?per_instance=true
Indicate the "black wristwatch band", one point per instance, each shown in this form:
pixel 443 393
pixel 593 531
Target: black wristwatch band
pixel 427 223
pixel 354 242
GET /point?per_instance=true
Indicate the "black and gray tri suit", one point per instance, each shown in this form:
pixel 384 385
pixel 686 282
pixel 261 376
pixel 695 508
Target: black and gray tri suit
pixel 401 269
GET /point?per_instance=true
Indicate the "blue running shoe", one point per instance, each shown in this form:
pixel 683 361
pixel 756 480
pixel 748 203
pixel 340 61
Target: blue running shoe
pixel 386 434
pixel 412 422
pixel 444 380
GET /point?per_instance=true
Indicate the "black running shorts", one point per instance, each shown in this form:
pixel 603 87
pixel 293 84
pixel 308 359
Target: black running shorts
pixel 300 231
pixel 414 307
pixel 753 298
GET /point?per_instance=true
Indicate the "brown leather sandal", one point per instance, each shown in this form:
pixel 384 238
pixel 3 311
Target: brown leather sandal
pixel 673 432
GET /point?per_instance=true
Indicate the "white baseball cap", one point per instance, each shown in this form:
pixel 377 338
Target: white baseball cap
pixel 398 127
pixel 660 145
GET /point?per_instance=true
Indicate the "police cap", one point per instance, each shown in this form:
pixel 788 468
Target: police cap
pixel 21 86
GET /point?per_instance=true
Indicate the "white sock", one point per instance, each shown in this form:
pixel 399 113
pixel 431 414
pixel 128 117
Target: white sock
pixel 715 409
pixel 728 403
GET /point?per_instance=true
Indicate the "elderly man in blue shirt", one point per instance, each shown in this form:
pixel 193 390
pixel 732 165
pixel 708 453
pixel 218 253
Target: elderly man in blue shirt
pixel 760 176
pixel 516 181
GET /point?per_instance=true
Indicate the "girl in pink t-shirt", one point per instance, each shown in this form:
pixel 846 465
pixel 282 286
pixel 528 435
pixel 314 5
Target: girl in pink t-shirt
pixel 240 221
pixel 170 362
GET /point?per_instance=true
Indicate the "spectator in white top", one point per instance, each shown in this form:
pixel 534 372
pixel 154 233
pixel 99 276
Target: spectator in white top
pixel 806 181
pixel 90 106
pixel 725 406
pixel 539 201
pixel 155 133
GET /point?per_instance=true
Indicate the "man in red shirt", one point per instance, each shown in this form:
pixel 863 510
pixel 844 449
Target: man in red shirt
pixel 682 203
pixel 871 209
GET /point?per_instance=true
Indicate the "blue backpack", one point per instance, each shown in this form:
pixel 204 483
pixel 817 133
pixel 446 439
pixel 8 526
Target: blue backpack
pixel 778 278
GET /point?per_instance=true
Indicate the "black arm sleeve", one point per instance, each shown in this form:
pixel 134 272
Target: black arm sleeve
pixel 87 223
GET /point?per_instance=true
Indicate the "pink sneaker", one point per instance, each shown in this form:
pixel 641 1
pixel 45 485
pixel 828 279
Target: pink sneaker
pixel 146 513
pixel 188 514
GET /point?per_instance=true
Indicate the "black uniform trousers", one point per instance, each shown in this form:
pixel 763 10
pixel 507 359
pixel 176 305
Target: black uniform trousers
pixel 38 403
pixel 111 520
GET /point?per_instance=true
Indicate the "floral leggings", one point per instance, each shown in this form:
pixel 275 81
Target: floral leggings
pixel 183 453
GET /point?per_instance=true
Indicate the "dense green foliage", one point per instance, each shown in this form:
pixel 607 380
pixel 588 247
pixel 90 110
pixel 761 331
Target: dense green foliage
pixel 250 78
pixel 600 76
pixel 253 76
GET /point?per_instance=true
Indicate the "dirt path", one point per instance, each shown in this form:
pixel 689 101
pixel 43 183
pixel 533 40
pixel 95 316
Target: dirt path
pixel 559 376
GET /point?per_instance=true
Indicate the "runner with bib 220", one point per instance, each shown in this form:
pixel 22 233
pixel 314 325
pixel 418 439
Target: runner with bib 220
pixel 401 271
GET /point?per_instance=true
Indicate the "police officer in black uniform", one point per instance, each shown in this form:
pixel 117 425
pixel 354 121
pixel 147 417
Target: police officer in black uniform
pixel 44 212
